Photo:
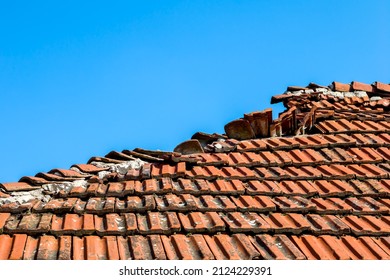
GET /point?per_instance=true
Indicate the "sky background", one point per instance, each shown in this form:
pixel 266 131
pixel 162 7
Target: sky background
pixel 81 78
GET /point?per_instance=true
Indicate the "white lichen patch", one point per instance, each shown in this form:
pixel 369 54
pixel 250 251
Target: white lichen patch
pixel 375 98
pixel 23 197
pixel 349 94
pixel 322 90
pixel 103 174
pixel 361 94
pixel 55 188
pixel 325 91
pixel 308 91
pixel 120 168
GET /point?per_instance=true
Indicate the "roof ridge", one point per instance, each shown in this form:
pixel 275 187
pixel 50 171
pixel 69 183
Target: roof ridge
pixel 303 108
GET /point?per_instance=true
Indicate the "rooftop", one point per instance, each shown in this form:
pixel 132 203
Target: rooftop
pixel 311 184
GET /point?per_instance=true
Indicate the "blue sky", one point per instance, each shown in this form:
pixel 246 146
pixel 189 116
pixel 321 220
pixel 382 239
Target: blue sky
pixel 82 78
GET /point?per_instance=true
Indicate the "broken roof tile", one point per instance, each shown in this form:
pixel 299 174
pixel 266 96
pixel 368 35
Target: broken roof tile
pixel 189 147
pixel 260 122
pixel 240 130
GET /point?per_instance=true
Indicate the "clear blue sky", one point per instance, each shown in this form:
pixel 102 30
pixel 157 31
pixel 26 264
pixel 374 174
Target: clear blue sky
pixel 82 78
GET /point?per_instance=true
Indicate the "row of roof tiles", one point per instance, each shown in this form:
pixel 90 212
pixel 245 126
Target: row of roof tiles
pixel 196 222
pixel 297 165
pixel 205 247
pixel 315 141
pixel 89 171
pixel 377 88
pixel 205 203
pixel 295 157
pixel 305 188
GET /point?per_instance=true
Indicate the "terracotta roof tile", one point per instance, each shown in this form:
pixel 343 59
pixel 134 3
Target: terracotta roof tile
pixel 271 173
pixel 213 159
pixel 362 248
pixel 301 173
pixel 286 223
pixel 293 204
pixel 321 248
pixel 240 130
pixel 362 86
pixel 181 247
pixel 195 222
pixel 366 205
pixel 67 173
pixel 234 247
pixel 167 170
pixel 15 207
pixel 232 187
pixel 306 157
pixel 214 203
pixel 252 145
pixel 197 186
pixel 368 225
pixel 172 202
pixel 254 187
pixel 3 219
pixel 331 206
pixel 282 143
pixel 372 188
pixel 382 86
pixel 5 246
pixel 327 224
pixel 238 173
pixel 17 186
pixel 333 188
pixel 297 188
pixel 383 242
pixel 277 247
pixel 19 243
pixel 35 181
pixel 254 203
pixel 364 171
pixel 158 223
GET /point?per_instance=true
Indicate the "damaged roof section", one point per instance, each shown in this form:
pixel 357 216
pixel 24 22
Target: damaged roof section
pixel 313 183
